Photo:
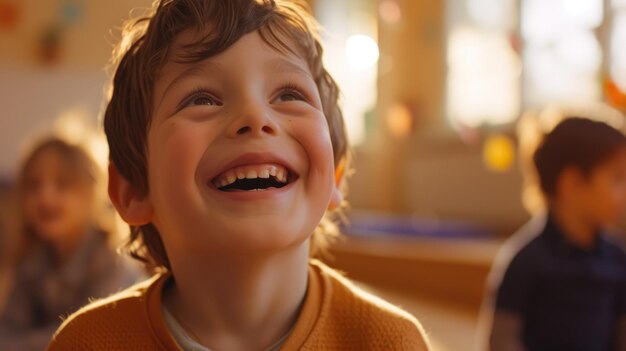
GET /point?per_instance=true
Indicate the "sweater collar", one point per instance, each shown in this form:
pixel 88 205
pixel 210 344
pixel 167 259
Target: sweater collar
pixel 317 292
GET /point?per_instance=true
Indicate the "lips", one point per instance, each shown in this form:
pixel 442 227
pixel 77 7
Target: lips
pixel 254 172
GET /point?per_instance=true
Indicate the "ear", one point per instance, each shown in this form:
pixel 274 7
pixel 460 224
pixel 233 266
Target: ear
pixel 336 198
pixel 135 208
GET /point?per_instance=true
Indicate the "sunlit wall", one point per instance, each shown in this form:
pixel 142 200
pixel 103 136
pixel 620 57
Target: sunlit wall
pixel 351 56
pixel 484 67
pixel 618 43
pixel 562 51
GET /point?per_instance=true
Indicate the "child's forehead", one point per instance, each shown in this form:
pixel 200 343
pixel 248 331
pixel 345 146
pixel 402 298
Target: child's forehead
pixel 52 163
pixel 188 47
pixel 250 49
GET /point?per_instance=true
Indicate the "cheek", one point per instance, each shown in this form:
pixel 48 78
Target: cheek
pixel 608 196
pixel 175 152
pixel 29 206
pixel 314 137
pixel 619 196
pixel 84 201
pixel 75 203
pixel 30 209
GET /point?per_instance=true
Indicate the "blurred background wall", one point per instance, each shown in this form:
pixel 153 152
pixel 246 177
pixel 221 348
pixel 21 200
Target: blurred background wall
pixel 52 66
pixel 437 82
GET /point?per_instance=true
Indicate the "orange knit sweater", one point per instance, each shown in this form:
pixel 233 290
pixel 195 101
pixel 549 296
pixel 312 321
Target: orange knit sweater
pixel 336 315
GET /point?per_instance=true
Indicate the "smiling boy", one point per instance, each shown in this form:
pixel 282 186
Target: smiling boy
pixel 227 149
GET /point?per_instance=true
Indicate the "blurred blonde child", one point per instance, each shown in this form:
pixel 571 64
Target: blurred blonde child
pixel 65 258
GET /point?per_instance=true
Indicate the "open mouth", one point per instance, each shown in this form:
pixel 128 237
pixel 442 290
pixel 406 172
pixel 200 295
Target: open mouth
pixel 254 178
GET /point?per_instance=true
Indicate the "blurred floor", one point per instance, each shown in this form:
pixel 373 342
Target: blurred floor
pixel 449 272
pixel 448 328
pixel 441 282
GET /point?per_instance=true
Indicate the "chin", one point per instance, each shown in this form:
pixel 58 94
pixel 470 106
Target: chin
pixel 259 235
pixel 271 239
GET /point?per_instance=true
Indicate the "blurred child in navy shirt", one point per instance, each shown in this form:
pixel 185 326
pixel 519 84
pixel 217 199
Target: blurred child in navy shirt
pixel 560 282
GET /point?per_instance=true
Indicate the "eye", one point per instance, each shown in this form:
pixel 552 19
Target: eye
pixel 290 93
pixel 290 96
pixel 201 98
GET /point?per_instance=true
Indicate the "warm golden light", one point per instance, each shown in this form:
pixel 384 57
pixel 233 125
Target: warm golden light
pixel 499 153
pixel 361 51
pixel 400 120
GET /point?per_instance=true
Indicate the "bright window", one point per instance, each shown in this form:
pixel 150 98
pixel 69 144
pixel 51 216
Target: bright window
pixel 483 65
pixel 351 56
pixel 562 55
pixel 505 56
pixel 618 44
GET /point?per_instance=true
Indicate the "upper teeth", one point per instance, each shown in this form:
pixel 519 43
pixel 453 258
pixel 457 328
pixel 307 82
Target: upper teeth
pixel 251 172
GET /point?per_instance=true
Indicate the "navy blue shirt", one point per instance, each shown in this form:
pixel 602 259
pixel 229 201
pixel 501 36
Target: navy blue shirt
pixel 567 297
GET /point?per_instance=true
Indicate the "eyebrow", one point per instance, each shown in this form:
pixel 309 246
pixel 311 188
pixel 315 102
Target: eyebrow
pixel 195 69
pixel 285 65
pixel 276 64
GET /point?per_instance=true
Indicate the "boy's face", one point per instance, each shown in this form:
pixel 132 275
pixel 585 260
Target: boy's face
pixel 604 192
pixel 239 151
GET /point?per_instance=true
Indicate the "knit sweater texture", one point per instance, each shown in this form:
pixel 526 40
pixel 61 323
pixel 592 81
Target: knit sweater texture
pixel 336 315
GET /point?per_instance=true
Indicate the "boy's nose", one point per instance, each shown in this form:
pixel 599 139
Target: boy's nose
pixel 253 119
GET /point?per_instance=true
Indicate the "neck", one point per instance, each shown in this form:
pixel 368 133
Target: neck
pixel 241 303
pixel 575 227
